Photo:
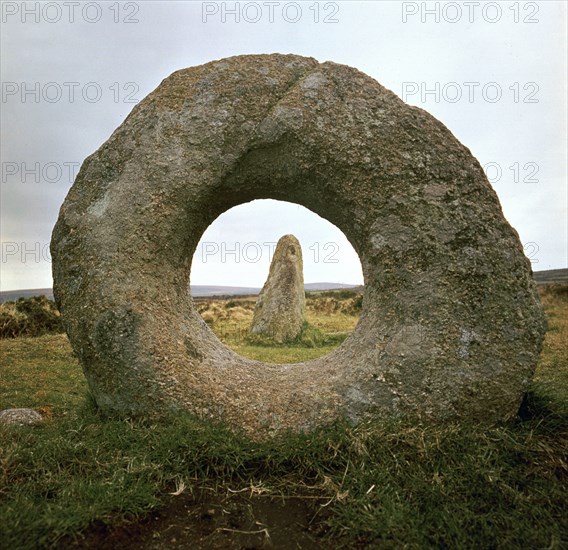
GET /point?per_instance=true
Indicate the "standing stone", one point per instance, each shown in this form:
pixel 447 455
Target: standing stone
pixel 281 304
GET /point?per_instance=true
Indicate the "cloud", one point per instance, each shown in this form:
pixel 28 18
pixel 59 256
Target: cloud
pixel 520 54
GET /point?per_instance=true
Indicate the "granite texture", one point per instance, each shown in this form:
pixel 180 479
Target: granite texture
pixel 451 325
pixel 281 305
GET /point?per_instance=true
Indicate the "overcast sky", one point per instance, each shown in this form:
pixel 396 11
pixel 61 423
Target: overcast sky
pixel 493 72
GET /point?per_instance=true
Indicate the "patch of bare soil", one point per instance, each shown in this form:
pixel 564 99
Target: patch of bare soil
pixel 209 520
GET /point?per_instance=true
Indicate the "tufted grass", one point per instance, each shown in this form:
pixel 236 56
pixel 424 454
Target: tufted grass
pixel 329 321
pixel 381 485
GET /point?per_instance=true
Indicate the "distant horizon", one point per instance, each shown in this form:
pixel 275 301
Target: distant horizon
pixel 252 287
pixel 258 287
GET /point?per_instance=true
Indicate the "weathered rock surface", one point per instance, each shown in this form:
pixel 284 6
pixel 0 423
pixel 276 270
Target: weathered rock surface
pixel 281 304
pixel 20 416
pixel 451 323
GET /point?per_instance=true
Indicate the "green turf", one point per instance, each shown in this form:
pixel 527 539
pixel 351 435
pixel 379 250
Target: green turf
pixel 387 484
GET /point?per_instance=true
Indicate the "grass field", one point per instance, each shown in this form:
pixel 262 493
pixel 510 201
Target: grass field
pixel 330 317
pixel 383 485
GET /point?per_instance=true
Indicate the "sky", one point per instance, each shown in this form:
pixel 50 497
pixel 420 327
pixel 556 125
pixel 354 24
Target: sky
pixel 493 72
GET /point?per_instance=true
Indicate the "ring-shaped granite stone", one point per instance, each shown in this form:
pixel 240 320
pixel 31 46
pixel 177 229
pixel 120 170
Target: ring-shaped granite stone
pixel 451 323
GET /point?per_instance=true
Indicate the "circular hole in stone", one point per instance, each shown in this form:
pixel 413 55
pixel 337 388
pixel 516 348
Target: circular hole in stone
pixel 238 253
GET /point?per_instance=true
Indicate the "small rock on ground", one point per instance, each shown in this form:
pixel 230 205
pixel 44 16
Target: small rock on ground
pixel 20 416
